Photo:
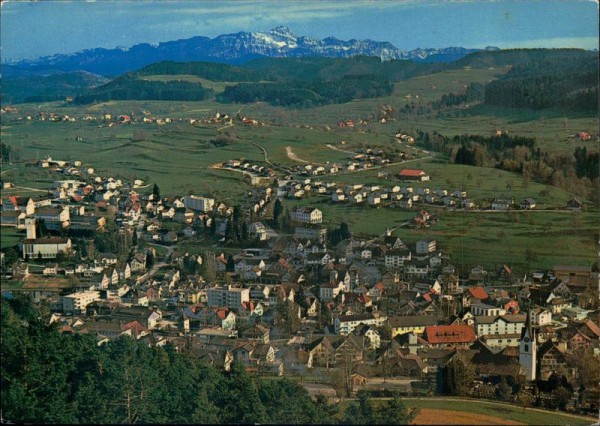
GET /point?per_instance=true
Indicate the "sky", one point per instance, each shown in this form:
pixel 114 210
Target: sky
pixel 30 29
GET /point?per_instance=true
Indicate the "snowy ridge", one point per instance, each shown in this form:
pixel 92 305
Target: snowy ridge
pixel 235 48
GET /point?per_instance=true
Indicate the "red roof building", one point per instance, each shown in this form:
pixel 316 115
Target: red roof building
pixel 411 174
pixel 478 293
pixel 450 336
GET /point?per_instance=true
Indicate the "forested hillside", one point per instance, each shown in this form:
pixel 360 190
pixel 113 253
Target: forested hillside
pixel 49 377
pixel 47 88
pixel 308 94
pixel 208 70
pixel 131 88
pixel 566 79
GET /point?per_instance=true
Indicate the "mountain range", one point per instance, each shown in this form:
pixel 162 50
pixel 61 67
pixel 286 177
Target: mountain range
pixel 235 48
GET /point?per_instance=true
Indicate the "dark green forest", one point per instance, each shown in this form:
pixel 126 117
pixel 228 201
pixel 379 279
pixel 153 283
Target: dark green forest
pixel 308 94
pixel 208 70
pixel 131 88
pixel 49 377
pixel 47 88
pixel 566 79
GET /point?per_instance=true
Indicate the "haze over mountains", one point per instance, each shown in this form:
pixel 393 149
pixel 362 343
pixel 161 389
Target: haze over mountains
pixel 228 48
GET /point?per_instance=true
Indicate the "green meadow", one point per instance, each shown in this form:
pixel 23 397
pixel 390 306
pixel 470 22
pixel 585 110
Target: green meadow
pixel 177 156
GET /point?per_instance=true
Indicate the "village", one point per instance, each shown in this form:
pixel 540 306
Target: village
pixel 284 295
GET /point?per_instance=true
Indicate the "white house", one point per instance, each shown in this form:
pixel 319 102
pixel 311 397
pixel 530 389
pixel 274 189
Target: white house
pixel 345 324
pixel 500 331
pixel 306 215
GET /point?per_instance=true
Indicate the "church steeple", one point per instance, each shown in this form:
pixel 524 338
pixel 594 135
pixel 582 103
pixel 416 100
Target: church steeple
pixel 528 349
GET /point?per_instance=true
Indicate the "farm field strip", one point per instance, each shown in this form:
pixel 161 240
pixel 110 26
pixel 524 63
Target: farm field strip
pixel 507 412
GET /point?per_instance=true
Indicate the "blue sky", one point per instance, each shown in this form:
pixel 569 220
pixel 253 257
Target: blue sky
pixel 31 29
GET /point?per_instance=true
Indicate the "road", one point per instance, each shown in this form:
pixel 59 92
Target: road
pixel 266 155
pixel 292 156
pixel 157 265
pixel 30 189
pixel 340 150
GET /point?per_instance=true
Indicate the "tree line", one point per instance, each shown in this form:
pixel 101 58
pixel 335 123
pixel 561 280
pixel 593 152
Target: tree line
pixel 577 172
pixel 63 378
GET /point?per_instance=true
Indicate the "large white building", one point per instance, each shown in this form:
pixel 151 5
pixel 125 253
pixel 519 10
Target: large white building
pixel 500 331
pixel 426 246
pixel 45 248
pixel 77 302
pixel 231 297
pixel 197 203
pixel 396 258
pixel 311 232
pixel 306 215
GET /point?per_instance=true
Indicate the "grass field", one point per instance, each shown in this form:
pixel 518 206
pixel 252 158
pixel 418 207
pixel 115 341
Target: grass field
pixel 432 416
pixel 177 157
pixel 9 236
pixel 486 238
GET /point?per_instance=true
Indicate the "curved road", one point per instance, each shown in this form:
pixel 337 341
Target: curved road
pixel 156 265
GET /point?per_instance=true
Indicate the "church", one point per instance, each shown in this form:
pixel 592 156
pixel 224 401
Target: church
pixel 44 248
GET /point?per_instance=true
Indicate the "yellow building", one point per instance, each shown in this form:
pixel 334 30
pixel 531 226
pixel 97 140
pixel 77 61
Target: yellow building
pixel 411 324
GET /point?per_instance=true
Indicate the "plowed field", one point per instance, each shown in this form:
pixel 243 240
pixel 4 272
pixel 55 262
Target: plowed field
pixel 431 416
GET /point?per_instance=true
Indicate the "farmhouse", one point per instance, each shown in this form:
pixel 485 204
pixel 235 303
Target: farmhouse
pixel 528 204
pixel 502 204
pixel 574 204
pixel 411 174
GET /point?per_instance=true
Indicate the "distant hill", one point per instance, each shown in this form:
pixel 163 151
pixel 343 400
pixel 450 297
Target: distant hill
pixel 541 78
pixel 230 49
pixel 537 79
pixel 47 88
pixel 291 69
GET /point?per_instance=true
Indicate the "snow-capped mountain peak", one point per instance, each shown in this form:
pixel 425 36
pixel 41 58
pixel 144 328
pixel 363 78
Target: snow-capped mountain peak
pixel 279 42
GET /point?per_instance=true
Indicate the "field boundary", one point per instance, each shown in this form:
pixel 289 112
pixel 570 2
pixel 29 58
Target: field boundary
pixel 484 401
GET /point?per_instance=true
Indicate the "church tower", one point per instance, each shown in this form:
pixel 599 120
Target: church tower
pixel 528 350
pixel 30 227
